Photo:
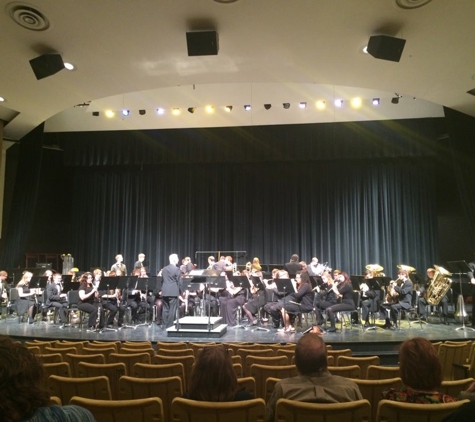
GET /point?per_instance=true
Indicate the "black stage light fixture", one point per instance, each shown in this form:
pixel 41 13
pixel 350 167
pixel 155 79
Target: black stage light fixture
pixel 191 109
pixel 247 107
pixel 142 112
pixel 228 108
pixel 395 100
pixel 267 106
pixel 386 48
pixel 202 43
pixel 286 105
pixel 46 65
pixel 95 113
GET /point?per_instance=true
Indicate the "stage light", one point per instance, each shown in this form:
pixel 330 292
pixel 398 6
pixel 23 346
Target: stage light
pixel 191 109
pixel 286 105
pixel 209 109
pixel 228 108
pixel 395 100
pixel 247 107
pixel 110 113
pixel 303 104
pixel 376 101
pixel 321 105
pixel 176 111
pixel 142 112
pixel 338 103
pixel 356 102
pixel 267 106
pixel 95 113
pixel 69 66
pixel 160 110
pixel 125 112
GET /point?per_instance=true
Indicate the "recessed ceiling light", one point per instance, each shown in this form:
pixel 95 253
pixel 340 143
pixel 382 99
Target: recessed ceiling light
pixel 69 66
pixel 303 104
pixel 176 111
pixel 228 108
pixel 339 103
pixel 376 101
pixel 321 105
pixel 247 107
pixel 2 99
pixel 125 112
pixel 209 109
pixel 110 113
pixel 356 102
pixel 160 110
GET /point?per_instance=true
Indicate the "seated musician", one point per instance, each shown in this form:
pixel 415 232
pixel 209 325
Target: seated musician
pixel 344 291
pixel 110 302
pixel 229 301
pixel 186 303
pixel 57 299
pixel 325 297
pixel 4 288
pixel 369 299
pixel 399 297
pixel 300 301
pixel 88 299
pixel 257 299
pixel 274 307
pixel 26 301
pixel 422 300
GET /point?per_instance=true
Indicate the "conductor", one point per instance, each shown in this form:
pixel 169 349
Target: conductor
pixel 170 290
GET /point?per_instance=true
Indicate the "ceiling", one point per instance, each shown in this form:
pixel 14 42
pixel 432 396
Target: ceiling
pixel 133 54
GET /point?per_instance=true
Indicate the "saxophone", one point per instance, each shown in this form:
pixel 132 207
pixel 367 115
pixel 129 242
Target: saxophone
pixel 392 296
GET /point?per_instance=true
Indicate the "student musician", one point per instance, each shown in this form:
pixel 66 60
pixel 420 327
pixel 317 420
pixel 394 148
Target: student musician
pixel 231 298
pixel 399 297
pixel 422 301
pixel 27 297
pixel 56 298
pixel 325 297
pixel 369 299
pixel 110 302
pixel 344 291
pixel 88 296
pixel 257 299
pixel 119 265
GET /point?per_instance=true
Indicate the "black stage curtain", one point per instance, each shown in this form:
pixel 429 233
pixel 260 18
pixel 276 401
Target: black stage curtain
pixel 279 143
pixel 24 199
pixel 461 129
pixel 349 213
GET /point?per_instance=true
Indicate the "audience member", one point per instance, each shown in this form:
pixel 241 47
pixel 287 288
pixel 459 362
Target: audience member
pixel 421 373
pixel 213 378
pixel 24 397
pixel 314 383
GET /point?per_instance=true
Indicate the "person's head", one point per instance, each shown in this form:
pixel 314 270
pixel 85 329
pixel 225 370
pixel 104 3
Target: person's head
pixel 314 260
pixel 302 278
pixel 419 365
pixel 48 273
pixel 186 259
pixel 25 278
pixel 143 272
pixel 213 377
pixel 97 274
pixel 57 277
pixel 119 258
pixel 173 258
pixel 136 272
pixel 21 381
pixel 256 265
pixel 141 257
pixel 368 274
pixel 229 259
pixel 344 278
pixel 402 274
pixel 294 258
pixel 430 272
pixel 304 265
pixel 336 273
pixel 3 275
pixel 211 260
pixel 86 279
pixel 311 354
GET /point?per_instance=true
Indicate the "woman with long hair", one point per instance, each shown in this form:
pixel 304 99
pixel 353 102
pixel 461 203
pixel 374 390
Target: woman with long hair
pixel 87 299
pixel 343 290
pixel 26 301
pixel 213 378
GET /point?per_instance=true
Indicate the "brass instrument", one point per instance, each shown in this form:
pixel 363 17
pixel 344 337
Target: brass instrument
pixel 439 286
pixel 375 269
pixel 392 296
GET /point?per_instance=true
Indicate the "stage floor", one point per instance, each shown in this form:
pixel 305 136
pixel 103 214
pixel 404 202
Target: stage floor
pixel 384 343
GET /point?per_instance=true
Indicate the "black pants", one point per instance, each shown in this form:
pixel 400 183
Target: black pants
pixel 170 306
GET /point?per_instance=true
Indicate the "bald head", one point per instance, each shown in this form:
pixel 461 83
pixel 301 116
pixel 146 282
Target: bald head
pixel 311 354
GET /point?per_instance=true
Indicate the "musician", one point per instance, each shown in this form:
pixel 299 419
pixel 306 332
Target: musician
pixel 186 266
pixel 274 307
pixel 344 291
pixel 56 298
pixel 325 297
pixel 141 261
pixel 211 263
pixel 422 302
pixel 300 301
pixel 312 267
pixel 158 300
pixel 403 288
pixel 88 299
pixel 170 290
pixel 4 287
pixel 471 276
pixel 110 302
pixel 186 303
pixel 232 297
pixel 369 299
pixel 257 300
pixel 119 265
pixel 229 263
pixel 220 265
pixel 293 265
pixel 26 301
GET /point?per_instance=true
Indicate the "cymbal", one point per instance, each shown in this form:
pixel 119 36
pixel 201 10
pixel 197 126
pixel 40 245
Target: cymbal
pixel 374 267
pixel 407 268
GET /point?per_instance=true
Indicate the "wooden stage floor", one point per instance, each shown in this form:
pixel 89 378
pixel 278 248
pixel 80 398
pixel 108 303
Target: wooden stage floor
pixel 384 343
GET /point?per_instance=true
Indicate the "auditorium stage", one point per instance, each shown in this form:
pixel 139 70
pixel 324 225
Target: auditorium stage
pixel 384 343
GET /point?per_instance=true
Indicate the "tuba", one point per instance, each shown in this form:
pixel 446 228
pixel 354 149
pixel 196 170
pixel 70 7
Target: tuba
pixel 439 286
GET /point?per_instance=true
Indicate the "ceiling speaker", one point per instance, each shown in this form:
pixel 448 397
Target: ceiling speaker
pixel 385 47
pixel 46 65
pixel 202 43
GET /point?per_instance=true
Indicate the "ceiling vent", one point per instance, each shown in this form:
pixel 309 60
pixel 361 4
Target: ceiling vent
pixel 27 16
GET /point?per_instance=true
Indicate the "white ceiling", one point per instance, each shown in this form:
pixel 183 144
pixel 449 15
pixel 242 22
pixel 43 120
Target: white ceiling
pixel 133 54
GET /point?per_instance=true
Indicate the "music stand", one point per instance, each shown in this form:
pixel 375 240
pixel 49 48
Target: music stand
pixel 127 283
pixel 145 284
pixel 218 282
pixel 260 287
pixel 106 284
pixel 461 267
pixel 284 285
pixel 374 284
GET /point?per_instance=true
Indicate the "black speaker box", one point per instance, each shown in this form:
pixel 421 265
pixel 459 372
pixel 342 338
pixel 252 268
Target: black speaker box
pixel 385 47
pixel 46 65
pixel 202 43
